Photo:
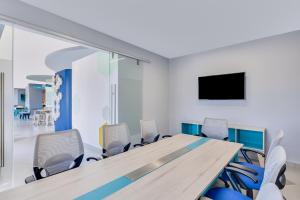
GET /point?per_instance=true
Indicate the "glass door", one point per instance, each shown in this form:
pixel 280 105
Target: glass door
pixel 6 99
pixel 126 85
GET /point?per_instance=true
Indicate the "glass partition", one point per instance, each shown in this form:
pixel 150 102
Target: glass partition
pixel 106 89
pixel 127 103
pixel 91 94
pixel 6 105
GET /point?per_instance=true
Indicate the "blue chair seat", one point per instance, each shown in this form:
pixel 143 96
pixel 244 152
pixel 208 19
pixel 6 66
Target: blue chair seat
pixel 247 181
pixel 225 193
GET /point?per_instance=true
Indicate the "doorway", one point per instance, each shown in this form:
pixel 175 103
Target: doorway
pixel 105 88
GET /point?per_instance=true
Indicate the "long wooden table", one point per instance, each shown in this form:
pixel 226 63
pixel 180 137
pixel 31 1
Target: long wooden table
pixel 185 177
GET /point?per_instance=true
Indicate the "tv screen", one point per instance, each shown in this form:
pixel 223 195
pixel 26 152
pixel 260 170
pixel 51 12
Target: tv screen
pixel 222 87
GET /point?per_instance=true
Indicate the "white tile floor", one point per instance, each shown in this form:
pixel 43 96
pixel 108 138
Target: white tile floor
pixel 292 189
pixel 26 133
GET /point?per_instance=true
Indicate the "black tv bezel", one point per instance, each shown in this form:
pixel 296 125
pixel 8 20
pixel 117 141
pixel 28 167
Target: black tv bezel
pixel 239 99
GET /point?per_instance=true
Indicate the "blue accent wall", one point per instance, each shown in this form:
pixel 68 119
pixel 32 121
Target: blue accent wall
pixel 64 122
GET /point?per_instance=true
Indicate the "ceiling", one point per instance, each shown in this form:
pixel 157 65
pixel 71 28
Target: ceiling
pixel 174 28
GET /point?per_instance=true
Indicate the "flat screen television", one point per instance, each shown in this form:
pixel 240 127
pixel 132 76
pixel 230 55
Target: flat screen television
pixel 222 87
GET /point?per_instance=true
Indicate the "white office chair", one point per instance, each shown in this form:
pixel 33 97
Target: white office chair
pixel 149 133
pixel 55 153
pixel 269 191
pixel 115 140
pixel 273 173
pixel 215 128
pixel 274 166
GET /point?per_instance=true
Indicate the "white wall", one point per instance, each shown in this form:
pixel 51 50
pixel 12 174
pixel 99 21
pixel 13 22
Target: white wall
pixel 272 87
pixel 90 95
pixel 30 52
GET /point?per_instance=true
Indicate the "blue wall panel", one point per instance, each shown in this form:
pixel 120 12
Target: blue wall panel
pixel 231 135
pixel 251 139
pixel 64 122
pixel 191 129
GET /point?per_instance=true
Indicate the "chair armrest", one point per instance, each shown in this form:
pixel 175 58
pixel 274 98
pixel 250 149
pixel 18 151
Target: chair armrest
pixel 138 145
pixel 244 153
pixel 30 179
pixel 166 136
pixel 156 138
pixel 92 158
pixel 254 151
pixel 202 135
pixel 239 171
pixel 244 168
pixel 145 143
pixel 126 148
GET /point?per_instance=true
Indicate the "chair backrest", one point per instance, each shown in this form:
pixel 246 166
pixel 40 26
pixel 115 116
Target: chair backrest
pixel 269 191
pixel 148 130
pixel 275 141
pixel 115 138
pixel 274 165
pixel 215 128
pixel 57 152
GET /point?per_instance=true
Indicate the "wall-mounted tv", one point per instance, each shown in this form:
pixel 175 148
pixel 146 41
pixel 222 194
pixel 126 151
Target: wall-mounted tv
pixel 222 87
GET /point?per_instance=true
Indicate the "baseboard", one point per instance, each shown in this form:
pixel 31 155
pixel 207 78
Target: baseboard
pixel 293 164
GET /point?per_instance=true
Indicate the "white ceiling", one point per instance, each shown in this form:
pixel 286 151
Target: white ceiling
pixel 173 28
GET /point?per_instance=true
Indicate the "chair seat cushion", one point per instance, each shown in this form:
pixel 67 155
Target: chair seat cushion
pixel 224 194
pixel 247 181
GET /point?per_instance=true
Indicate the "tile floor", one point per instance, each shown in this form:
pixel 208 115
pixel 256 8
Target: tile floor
pixel 24 140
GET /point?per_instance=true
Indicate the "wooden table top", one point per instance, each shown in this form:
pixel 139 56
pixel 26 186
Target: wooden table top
pixel 185 177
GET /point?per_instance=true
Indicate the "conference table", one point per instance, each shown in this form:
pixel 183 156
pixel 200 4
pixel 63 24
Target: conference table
pixel 179 167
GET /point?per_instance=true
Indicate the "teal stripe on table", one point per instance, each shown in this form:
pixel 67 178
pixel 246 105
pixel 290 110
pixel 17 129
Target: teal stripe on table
pixel 196 144
pixel 123 181
pixel 107 189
